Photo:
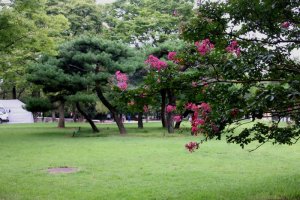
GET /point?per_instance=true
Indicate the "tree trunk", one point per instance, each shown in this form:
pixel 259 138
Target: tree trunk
pixel 184 115
pixel 177 125
pixel 94 127
pixel 14 92
pixel 112 109
pixel 140 120
pixel 163 107
pixel 146 117
pixel 170 121
pixel 4 94
pixel 61 111
pixel 74 116
pixel 119 122
pixel 53 116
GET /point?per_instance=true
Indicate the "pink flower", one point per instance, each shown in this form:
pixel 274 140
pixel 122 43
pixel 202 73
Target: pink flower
pixel 145 108
pixel 205 107
pixel 285 25
pixel 156 63
pixel 191 146
pixel 195 108
pixel 199 122
pixel 170 108
pixel 233 48
pixel 204 47
pixel 188 106
pixel 194 84
pixel 122 80
pixel 177 118
pixel 195 130
pixel 121 77
pixel 131 103
pixel 122 85
pixel 172 55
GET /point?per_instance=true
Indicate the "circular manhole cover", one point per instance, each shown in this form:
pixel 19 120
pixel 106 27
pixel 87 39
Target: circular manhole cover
pixel 62 170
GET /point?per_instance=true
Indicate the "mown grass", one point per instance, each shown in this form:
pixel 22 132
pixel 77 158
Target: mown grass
pixel 145 164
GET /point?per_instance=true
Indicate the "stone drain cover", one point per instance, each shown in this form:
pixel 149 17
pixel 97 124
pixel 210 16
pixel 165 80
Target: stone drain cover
pixel 62 170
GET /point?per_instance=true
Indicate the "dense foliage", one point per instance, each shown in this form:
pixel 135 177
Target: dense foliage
pixel 236 63
pixel 243 60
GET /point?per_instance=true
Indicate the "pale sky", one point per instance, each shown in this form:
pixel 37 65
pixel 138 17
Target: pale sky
pixel 104 1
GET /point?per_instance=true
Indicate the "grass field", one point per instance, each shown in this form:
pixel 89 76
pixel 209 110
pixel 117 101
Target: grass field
pixel 145 164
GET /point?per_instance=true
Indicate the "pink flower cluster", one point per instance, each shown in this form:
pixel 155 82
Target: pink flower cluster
pixel 192 146
pixel 170 108
pixel 172 55
pixel 131 103
pixel 122 85
pixel 233 48
pixel 122 80
pixel 194 84
pixel 177 118
pixel 121 77
pixel 205 107
pixel 145 108
pixel 204 47
pixel 196 121
pixel 156 63
pixel 285 25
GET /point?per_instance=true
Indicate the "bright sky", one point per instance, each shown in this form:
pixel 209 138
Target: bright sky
pixel 104 1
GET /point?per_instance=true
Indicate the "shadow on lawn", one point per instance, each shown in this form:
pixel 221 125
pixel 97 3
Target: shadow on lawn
pixel 80 130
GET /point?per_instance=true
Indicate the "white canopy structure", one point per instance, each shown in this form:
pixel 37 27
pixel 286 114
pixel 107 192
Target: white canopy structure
pixel 17 112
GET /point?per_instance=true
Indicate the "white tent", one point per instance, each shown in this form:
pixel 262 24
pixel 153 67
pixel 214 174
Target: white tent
pixel 17 112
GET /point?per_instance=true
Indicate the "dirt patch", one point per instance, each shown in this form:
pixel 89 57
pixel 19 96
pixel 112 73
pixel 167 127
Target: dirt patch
pixel 62 170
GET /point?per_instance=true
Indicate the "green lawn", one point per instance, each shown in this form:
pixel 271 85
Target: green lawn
pixel 145 164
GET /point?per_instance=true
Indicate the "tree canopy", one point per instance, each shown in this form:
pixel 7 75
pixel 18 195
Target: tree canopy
pixel 243 60
pixel 146 21
pixel 26 32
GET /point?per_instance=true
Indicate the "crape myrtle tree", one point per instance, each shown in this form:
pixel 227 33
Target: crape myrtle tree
pixel 241 62
pixel 97 60
pixel 164 68
pixel 136 99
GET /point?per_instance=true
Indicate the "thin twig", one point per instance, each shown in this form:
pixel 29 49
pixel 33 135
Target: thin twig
pixel 257 146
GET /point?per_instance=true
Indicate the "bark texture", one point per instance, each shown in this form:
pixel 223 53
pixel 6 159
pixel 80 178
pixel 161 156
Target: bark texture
pixel 61 111
pixel 94 127
pixel 112 109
